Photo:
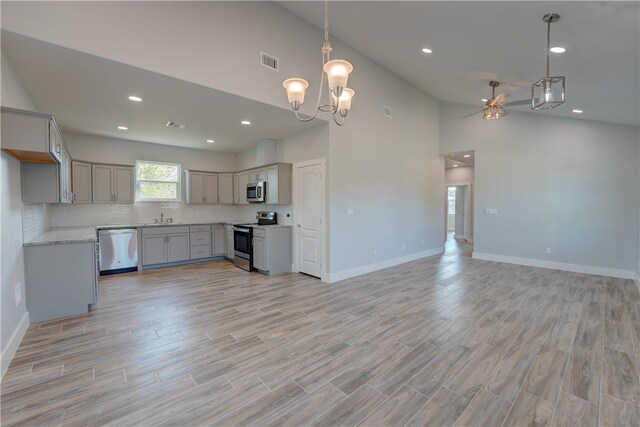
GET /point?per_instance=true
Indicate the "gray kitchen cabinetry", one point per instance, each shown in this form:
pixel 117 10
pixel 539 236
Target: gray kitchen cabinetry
pixel 230 241
pixel 31 137
pixel 81 182
pixel 112 184
pixel 272 249
pixel 61 280
pixel 278 179
pixel 162 245
pixel 255 175
pixel 225 188
pixel 200 241
pixel 219 240
pixel 241 189
pixel 46 182
pixel 201 187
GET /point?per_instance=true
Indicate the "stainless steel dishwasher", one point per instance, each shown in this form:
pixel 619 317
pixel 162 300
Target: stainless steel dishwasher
pixel 118 250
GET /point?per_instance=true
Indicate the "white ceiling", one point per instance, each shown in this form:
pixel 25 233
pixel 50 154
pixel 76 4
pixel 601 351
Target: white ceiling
pixel 474 42
pixel 89 95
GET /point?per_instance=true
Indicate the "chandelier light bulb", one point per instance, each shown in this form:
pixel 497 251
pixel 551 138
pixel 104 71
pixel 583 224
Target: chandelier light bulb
pixel 344 102
pixel 338 75
pixel 296 89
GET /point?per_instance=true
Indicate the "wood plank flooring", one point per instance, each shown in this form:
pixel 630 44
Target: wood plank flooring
pixel 441 341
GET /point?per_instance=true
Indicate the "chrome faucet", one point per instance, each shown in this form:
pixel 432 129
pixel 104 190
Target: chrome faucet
pixel 161 217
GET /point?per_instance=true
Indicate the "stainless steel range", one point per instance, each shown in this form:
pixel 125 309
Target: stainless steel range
pixel 243 239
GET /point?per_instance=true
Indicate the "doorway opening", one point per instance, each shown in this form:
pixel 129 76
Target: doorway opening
pixel 458 212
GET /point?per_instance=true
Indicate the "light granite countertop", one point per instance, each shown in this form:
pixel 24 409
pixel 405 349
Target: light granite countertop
pixel 63 235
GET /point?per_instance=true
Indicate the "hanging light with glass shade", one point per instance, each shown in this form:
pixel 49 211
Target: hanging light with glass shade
pixel 337 72
pixel 548 92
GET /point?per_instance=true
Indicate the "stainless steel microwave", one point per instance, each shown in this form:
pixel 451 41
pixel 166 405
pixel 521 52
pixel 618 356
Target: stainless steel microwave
pixel 257 192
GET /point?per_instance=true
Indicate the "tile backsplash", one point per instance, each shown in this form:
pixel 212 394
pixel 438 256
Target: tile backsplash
pixel 36 219
pixel 145 212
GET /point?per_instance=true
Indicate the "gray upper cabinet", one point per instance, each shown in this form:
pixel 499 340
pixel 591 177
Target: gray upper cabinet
pixel 46 182
pixel 225 188
pixel 256 175
pixel 241 190
pixel 30 136
pixel 201 187
pixel 278 179
pixel 81 182
pixel 112 184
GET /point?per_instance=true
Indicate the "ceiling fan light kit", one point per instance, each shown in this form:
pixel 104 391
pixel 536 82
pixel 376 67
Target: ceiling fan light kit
pixel 548 92
pixel 337 72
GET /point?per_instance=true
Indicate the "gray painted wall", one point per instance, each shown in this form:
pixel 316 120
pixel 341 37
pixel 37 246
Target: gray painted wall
pixel 11 252
pixel 571 185
pixel 121 151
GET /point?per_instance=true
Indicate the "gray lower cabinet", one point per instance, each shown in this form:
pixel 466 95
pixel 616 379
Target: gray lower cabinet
pixel 272 249
pixel 230 242
pixel 61 280
pixel 161 245
pixel 200 241
pixel 219 240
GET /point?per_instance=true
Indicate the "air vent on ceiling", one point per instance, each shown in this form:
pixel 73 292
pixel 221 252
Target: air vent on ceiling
pixel 387 111
pixel 175 125
pixel 269 61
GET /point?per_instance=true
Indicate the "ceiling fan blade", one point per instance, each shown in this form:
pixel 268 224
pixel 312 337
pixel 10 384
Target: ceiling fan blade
pixel 472 114
pixel 499 99
pixel 519 102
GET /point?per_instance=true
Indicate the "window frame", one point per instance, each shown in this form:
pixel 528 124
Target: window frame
pixel 178 183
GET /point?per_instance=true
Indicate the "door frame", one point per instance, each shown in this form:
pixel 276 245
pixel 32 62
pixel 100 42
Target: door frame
pixel 467 208
pixel 323 226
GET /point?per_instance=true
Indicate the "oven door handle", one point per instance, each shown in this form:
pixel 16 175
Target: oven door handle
pixel 239 230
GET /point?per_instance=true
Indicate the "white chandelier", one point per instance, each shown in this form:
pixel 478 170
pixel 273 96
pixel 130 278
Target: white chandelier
pixel 337 72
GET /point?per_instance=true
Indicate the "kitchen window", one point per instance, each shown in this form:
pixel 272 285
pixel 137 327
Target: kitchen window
pixel 156 181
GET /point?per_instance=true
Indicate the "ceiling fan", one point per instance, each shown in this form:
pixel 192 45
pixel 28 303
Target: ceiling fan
pixel 494 106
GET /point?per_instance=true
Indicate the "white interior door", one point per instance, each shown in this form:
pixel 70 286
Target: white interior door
pixel 309 208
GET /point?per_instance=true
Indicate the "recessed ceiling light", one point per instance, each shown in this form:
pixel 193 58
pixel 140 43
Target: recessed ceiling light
pixel 484 99
pixel 123 128
pixel 245 122
pixel 455 166
pixel 427 50
pixel 210 141
pixel 558 49
pixel 135 98
pixel 467 155
pixel 578 111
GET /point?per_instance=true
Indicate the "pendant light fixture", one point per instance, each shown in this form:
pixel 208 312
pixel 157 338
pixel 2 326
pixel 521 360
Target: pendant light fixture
pixel 494 108
pixel 548 92
pixel 337 72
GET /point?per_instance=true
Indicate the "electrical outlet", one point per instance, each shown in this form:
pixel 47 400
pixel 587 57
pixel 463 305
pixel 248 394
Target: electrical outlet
pixel 18 293
pixel 548 250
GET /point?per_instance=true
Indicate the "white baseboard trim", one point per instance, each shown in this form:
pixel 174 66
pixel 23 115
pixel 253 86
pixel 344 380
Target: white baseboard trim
pixel 10 350
pixel 369 268
pixel 554 265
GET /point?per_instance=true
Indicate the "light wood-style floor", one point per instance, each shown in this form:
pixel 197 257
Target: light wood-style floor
pixel 442 341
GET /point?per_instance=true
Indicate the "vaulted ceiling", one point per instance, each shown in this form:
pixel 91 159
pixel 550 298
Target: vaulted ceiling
pixel 474 42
